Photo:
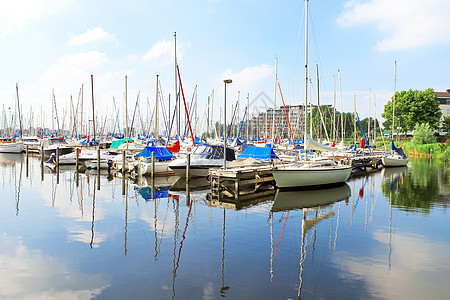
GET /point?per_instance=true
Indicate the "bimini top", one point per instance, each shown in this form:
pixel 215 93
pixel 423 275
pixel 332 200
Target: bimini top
pixel 116 143
pixel 258 153
pixel 161 153
pixel 213 152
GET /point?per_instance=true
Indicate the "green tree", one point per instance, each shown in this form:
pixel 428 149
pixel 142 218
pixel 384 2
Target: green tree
pixel 446 124
pixel 413 107
pixel 423 134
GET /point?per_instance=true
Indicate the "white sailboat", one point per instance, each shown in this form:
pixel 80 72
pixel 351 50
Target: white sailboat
pixel 310 173
pixel 397 158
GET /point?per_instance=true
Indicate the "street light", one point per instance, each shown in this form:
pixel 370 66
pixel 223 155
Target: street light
pixel 225 124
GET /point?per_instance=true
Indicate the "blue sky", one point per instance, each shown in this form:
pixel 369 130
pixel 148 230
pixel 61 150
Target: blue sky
pixel 58 44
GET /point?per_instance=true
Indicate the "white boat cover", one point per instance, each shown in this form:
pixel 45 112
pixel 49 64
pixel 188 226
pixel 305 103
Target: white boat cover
pixel 311 144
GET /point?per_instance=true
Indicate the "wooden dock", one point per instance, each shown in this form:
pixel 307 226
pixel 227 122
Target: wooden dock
pixel 238 182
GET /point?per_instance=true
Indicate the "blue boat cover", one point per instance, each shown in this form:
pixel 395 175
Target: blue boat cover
pixel 197 141
pixel 258 153
pixel 398 150
pixel 146 193
pixel 161 153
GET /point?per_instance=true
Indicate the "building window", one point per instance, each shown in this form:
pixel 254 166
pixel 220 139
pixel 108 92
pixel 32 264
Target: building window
pixel 448 111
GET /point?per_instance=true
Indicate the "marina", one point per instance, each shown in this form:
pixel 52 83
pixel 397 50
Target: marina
pixel 117 237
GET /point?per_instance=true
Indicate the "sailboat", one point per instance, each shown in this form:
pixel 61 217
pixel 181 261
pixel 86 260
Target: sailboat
pixel 397 158
pixel 310 173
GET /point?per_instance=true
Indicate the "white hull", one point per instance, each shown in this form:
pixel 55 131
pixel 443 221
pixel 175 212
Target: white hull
pixel 295 175
pixel 394 161
pixel 199 167
pixel 161 168
pixel 11 147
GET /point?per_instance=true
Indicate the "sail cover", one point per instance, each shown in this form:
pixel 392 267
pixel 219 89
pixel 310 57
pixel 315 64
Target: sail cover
pixel 311 144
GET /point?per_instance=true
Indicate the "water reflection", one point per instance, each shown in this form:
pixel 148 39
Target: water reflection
pixel 418 188
pixel 354 241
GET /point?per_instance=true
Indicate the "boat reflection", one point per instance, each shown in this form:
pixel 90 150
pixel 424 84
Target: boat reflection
pixel 288 200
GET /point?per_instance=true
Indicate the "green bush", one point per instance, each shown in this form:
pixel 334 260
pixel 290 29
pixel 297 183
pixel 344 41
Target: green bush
pixel 423 134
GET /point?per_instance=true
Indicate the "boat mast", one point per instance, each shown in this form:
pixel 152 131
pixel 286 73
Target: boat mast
pixel 248 113
pixel 306 72
pixel 368 133
pixel 126 111
pixel 334 107
pixel 156 107
pixel 274 100
pixel 93 108
pixel 18 109
pixel 177 99
pixel 393 102
pixel 342 107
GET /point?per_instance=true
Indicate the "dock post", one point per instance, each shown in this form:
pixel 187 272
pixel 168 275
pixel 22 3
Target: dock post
pixel 26 155
pixel 236 188
pixel 123 162
pixel 188 166
pixel 431 153
pixel 153 166
pixel 98 160
pixel 77 154
pixel 98 168
pixel 42 163
pixel 445 155
pixel 57 158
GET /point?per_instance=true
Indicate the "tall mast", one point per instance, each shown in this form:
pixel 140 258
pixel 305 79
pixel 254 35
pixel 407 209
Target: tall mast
pixel 126 110
pixel 156 108
pixel 334 107
pixel 274 100
pixel 342 107
pixel 393 103
pixel 177 99
pixel 82 95
pixel 318 102
pixel 18 109
pixel 368 133
pixel 93 107
pixel 248 113
pixel 354 115
pixel 306 69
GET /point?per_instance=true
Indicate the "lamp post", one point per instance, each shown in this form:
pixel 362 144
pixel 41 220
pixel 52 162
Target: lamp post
pixel 225 124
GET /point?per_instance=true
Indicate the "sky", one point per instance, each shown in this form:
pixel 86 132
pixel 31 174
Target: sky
pixel 52 47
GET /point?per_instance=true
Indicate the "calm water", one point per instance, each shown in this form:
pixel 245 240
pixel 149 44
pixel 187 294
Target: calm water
pixel 381 236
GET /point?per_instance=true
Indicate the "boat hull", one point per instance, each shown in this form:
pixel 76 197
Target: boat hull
pixel 11 147
pixel 310 177
pixel 394 161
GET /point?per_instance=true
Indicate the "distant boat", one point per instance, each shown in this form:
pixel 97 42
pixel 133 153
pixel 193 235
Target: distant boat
pixel 33 144
pixel 10 145
pixel 397 158
pixel 203 158
pixel 309 174
pixel 51 144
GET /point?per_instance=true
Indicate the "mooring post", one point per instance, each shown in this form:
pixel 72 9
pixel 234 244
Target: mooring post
pixel 431 153
pixel 445 155
pixel 98 160
pixel 77 155
pixel 123 162
pixel 153 166
pixel 188 166
pixel 42 163
pixel 57 158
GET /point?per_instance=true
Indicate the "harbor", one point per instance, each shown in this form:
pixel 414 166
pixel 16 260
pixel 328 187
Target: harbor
pixel 119 237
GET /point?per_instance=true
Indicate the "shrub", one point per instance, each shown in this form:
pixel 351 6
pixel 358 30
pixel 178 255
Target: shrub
pixel 423 134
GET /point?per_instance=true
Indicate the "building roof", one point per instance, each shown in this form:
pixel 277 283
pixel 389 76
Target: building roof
pixel 442 95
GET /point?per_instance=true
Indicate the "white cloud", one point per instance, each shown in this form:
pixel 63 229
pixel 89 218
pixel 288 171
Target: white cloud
pixel 406 24
pixel 28 274
pixel 163 52
pixel 91 36
pixel 72 70
pixel 16 14
pixel 419 268
pixel 249 76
